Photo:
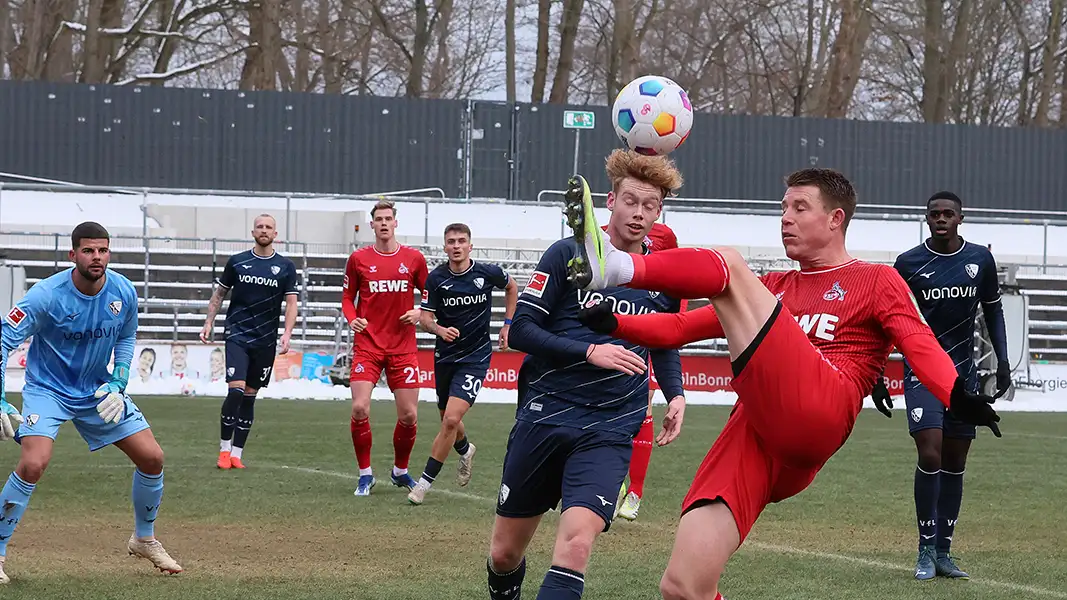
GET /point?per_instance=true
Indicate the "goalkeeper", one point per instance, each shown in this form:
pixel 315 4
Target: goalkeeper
pixel 77 318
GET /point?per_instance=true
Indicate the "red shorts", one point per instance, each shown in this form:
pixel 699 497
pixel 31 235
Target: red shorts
pixel 401 370
pixel 791 416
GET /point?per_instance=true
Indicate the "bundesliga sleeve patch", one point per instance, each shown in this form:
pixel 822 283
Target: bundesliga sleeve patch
pixel 538 282
pixel 16 316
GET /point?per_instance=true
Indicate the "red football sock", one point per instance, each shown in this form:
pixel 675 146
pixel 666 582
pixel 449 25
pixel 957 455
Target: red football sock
pixel 642 455
pixel 683 273
pixel 361 441
pixel 403 442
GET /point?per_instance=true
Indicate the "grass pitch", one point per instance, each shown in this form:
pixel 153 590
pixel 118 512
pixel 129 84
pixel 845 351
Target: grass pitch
pixel 288 527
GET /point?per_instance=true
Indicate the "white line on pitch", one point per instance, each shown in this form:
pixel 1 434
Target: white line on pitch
pixel 354 477
pixel 759 545
pixel 894 567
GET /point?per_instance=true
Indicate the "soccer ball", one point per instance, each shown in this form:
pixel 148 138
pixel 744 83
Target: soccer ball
pixel 652 115
pixel 188 388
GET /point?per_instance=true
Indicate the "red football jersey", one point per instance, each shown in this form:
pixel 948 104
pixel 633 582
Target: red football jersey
pixel 386 285
pixel 853 314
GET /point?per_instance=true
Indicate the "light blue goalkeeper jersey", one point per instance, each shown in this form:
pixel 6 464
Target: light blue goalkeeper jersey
pixel 74 335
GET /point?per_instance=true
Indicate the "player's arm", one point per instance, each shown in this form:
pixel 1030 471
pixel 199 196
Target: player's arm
pixel 112 394
pixel 350 286
pixel 547 289
pixel 428 311
pixel 292 299
pixel 655 330
pixel 420 275
pixel 668 367
pixel 223 284
pixel 898 312
pixel 21 323
pixel 511 298
pixel 993 312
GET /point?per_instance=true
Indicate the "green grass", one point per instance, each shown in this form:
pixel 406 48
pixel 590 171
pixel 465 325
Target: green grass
pixel 281 530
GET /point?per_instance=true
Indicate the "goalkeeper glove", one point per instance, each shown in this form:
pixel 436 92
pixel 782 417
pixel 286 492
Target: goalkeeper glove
pixel 973 408
pixel 113 406
pixel 882 400
pixel 10 419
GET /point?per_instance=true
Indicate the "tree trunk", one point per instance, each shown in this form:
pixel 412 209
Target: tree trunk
pixel 946 97
pixel 421 42
pixel 5 37
pixel 801 92
pixel 540 74
pixel 932 29
pixel 509 51
pixel 442 61
pixel 1048 67
pixel 846 57
pixel 572 15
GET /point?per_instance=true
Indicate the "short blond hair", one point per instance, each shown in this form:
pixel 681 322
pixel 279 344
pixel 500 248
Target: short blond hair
pixel 655 170
pixel 382 205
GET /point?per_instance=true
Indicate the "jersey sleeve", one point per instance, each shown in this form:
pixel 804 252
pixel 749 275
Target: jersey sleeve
pixel 127 340
pixel 903 323
pixel 989 288
pixel 350 285
pixel 547 287
pixel 548 283
pixel 421 271
pixel 292 281
pixel 429 295
pixel 229 275
pixel 498 276
pixel 22 321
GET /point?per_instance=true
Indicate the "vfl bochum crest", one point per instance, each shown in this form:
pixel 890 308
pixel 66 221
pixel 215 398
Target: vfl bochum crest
pixel 275 269
pixel 972 270
pixel 116 307
pixel 479 282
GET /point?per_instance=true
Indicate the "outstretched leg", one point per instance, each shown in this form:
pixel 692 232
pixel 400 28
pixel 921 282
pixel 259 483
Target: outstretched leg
pixel 740 299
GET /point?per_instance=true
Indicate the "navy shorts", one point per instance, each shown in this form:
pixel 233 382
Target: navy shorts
pixel 250 365
pixel 458 380
pixel 925 411
pixel 548 463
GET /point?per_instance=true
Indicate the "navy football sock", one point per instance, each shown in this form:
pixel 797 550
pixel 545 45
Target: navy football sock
pixel 561 583
pixel 230 406
pixel 432 470
pixel 505 586
pixel 948 509
pixel 246 414
pixel 461 446
pixel 927 488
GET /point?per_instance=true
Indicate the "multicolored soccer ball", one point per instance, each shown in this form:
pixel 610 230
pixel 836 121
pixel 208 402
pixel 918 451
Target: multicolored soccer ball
pixel 652 115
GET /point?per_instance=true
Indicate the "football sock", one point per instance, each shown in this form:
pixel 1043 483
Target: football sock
pixel 236 452
pixel 672 272
pixel 927 487
pixel 432 470
pixel 361 442
pixel 461 446
pixel 230 406
pixel 147 494
pixel 561 584
pixel 245 416
pixel 505 586
pixel 642 455
pixel 15 496
pixel 403 442
pixel 948 509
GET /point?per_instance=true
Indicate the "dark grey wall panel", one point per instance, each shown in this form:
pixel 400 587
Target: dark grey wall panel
pixel 270 141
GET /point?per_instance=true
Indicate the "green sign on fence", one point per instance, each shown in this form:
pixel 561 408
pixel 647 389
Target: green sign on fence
pixel 578 119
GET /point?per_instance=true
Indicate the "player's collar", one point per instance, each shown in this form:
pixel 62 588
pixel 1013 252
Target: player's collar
pixel 963 245
pixel 272 253
pixel 464 272
pixel 816 270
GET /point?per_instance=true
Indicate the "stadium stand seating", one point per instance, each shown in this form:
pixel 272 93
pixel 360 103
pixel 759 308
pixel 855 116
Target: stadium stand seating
pixel 180 282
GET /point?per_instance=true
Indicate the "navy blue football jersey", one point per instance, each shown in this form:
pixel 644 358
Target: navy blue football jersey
pixel 948 288
pixel 464 301
pixel 564 390
pixel 257 285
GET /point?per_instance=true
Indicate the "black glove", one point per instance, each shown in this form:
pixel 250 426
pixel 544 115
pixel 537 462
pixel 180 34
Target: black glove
pixel 1003 378
pixel 598 317
pixel 973 408
pixel 882 400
